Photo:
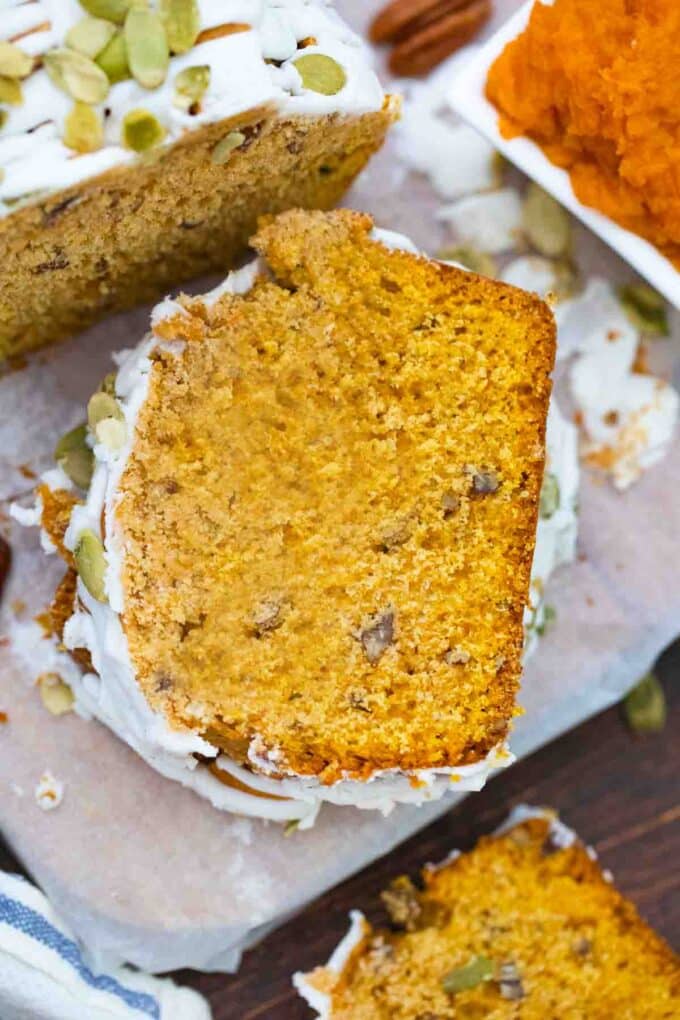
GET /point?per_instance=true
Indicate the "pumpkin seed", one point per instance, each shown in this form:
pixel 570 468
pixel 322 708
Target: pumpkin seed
pixel 111 10
pixel 550 496
pixel 567 279
pixel 224 148
pixel 147 47
pixel 75 457
pixel 191 85
pixel 10 91
pixel 472 259
pixel 472 974
pixel 102 405
pixel 645 308
pixel 90 35
pixel 113 59
pixel 57 697
pixel 291 826
pixel 111 432
pixel 546 223
pixel 83 128
pixel 108 384
pixel 645 706
pixel 141 131
pixel 91 563
pixel 182 22
pixel 3 120
pixel 547 618
pixel 77 75
pixel 321 73
pixel 14 63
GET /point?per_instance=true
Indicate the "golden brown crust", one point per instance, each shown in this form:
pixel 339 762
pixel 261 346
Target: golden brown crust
pixel 130 234
pixel 329 513
pixel 57 506
pixel 571 944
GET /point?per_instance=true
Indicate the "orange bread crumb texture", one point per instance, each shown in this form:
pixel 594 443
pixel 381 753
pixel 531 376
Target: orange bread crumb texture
pixel 521 926
pixel 330 508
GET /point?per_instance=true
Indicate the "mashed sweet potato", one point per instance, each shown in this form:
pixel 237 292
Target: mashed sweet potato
pixel 595 83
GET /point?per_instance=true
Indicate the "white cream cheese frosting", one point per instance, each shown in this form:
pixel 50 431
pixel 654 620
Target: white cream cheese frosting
pixel 112 695
pixel 248 69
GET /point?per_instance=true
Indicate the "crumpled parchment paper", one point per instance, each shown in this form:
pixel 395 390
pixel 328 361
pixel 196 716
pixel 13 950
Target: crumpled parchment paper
pixel 144 870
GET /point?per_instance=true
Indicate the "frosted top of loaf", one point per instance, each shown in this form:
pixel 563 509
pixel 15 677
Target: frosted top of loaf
pixel 245 54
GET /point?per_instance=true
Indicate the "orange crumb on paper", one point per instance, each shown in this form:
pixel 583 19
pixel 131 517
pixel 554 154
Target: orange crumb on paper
pixel 3 717
pixel 586 81
pixel 641 364
pixel 605 458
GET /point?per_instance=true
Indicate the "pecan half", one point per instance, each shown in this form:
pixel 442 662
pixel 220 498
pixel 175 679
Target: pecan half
pixel 402 17
pixel 425 32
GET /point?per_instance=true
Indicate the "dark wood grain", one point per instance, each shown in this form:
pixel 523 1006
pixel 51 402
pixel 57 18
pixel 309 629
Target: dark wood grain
pixel 618 791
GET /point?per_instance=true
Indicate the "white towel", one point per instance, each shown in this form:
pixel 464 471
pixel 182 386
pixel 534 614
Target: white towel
pixel 44 976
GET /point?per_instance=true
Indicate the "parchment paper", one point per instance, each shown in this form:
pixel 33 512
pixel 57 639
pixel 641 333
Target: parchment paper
pixel 146 871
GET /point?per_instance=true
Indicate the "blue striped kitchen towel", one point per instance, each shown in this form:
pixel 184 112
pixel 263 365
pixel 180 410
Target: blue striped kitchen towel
pixel 44 976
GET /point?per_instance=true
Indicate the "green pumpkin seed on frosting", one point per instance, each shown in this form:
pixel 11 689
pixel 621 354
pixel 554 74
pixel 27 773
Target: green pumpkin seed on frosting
pixel 191 85
pixel 102 405
pixel 182 21
pixel 147 47
pixel 113 59
pixel 141 131
pixel 550 496
pixel 91 563
pixel 321 73
pixel 14 63
pixel 89 36
pixel 75 457
pixel 76 75
pixel 111 10
pixel 224 148
pixel 10 91
pixel 83 128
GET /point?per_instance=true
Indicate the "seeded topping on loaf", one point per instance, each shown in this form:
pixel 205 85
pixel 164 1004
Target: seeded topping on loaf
pixel 329 511
pixel 522 926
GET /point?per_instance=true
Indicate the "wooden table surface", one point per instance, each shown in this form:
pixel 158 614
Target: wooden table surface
pixel 619 791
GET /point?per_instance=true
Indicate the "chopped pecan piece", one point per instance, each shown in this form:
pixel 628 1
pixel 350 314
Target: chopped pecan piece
pixel 484 483
pixel 402 903
pixel 268 616
pixel 377 634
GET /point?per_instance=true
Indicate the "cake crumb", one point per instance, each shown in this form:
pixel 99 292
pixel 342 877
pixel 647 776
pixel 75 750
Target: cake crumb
pixel 49 792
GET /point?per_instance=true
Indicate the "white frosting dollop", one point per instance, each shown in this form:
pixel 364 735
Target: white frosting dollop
pixel 35 161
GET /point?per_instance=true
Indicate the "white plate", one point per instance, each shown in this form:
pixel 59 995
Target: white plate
pixel 467 99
